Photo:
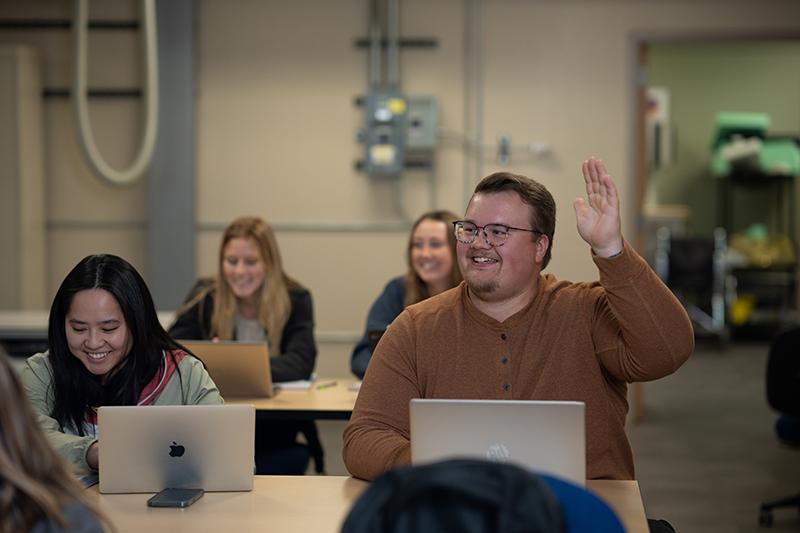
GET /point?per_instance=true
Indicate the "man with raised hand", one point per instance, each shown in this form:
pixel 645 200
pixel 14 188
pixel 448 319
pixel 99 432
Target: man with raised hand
pixel 508 331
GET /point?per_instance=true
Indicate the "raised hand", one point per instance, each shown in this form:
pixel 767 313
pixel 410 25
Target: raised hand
pixel 598 219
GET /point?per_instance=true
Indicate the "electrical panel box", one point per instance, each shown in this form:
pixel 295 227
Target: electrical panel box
pixel 422 124
pixel 385 132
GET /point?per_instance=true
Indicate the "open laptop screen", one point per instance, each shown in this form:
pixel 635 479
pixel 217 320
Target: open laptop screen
pixel 546 436
pixel 239 369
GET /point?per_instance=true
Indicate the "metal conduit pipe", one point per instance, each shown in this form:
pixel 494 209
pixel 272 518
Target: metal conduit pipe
pixel 374 65
pixel 337 337
pixel 79 99
pixel 322 227
pixel 393 48
pixel 402 226
pixel 397 200
pixel 477 48
pixel 471 88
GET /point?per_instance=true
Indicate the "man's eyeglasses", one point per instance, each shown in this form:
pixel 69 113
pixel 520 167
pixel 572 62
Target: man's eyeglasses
pixel 495 234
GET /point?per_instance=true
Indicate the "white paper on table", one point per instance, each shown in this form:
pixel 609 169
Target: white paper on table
pixel 300 384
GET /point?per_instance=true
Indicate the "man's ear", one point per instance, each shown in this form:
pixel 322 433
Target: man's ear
pixel 542 244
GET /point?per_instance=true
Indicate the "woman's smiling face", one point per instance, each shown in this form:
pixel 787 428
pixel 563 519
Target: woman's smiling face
pixel 243 268
pixel 97 334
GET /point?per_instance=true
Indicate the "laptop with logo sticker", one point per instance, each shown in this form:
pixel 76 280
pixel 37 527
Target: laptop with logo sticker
pixel 147 449
pixel 239 369
pixel 545 436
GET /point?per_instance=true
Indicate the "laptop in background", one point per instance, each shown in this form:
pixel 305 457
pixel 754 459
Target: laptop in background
pixel 545 436
pixel 151 448
pixel 239 369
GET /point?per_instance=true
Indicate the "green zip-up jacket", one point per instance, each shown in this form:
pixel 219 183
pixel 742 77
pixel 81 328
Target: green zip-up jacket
pixel 37 376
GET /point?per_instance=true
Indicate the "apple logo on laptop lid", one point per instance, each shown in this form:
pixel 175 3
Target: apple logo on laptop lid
pixel 176 450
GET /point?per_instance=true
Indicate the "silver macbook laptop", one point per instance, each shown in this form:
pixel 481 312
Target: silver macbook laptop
pixel 147 449
pixel 545 436
pixel 240 369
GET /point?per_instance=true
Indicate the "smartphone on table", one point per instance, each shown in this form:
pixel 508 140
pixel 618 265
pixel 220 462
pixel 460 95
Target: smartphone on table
pixel 175 498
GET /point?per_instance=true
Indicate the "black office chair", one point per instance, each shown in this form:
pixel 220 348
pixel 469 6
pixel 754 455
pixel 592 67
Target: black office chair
pixel 309 431
pixel 783 394
pixel 694 270
pixel 278 452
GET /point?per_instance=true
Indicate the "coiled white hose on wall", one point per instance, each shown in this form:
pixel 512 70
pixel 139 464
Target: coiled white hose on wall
pixel 79 97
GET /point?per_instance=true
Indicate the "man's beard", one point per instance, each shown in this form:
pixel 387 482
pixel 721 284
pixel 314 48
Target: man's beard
pixel 482 287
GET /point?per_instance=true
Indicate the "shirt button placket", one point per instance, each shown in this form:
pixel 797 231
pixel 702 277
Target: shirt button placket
pixel 506 386
pixel 504 358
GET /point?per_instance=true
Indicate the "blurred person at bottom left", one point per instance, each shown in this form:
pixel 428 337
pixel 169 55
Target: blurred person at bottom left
pixel 37 492
pixel 106 347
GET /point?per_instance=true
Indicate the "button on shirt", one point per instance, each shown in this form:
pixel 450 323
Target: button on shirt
pixel 505 370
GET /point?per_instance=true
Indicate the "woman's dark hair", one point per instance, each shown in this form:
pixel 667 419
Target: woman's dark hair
pixel 75 388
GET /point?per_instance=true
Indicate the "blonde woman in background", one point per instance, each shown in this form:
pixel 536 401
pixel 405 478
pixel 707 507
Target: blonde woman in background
pixel 432 269
pixel 37 492
pixel 253 299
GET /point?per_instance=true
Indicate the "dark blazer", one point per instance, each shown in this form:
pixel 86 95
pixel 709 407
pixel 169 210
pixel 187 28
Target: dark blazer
pixel 298 351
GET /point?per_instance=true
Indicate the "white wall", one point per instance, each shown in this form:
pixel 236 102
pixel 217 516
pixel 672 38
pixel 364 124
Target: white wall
pixel 276 125
pixel 22 273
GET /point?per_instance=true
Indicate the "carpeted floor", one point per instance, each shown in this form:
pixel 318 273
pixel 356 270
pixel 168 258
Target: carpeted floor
pixel 706 452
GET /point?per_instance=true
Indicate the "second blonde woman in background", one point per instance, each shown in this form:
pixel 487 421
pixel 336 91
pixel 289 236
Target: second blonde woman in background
pixel 432 269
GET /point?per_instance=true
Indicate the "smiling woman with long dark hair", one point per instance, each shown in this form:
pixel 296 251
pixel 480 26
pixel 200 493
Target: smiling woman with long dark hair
pixel 107 347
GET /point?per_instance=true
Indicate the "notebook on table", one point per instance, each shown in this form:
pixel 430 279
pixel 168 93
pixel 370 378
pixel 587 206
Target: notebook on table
pixel 150 448
pixel 239 369
pixel 544 436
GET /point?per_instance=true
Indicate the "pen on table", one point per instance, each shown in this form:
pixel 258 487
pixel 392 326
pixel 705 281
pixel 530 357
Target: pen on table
pixel 326 385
